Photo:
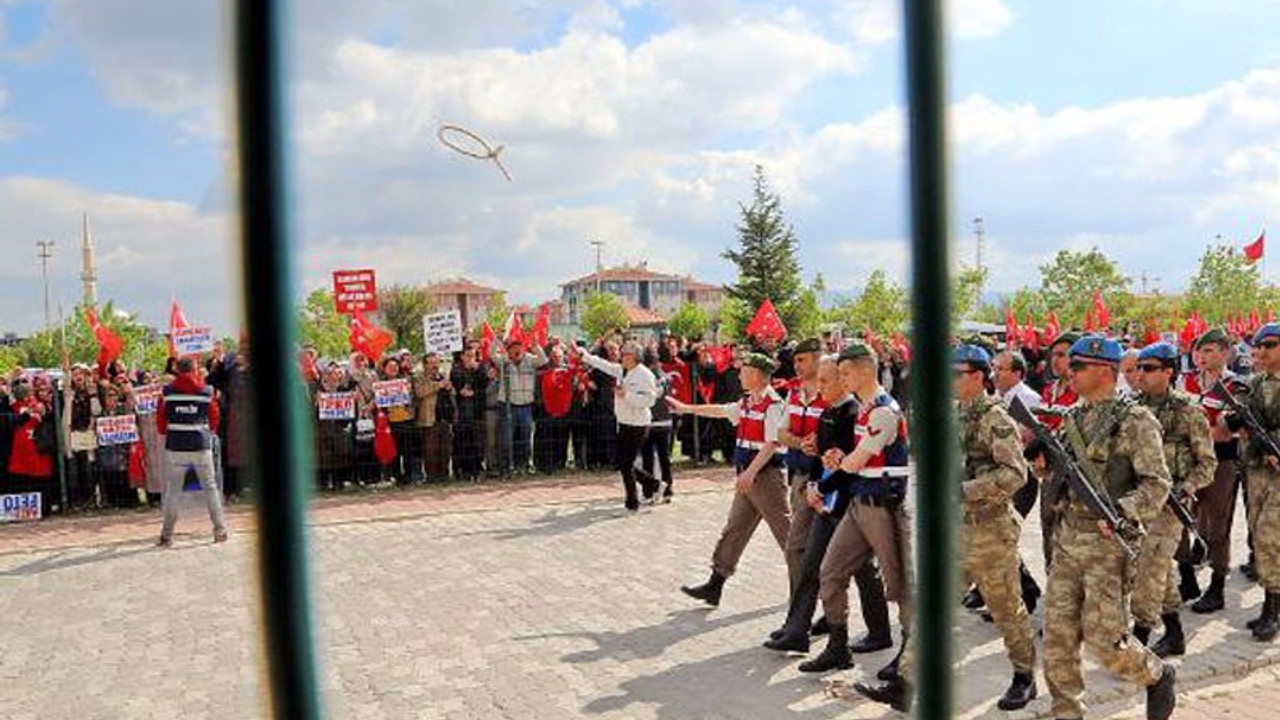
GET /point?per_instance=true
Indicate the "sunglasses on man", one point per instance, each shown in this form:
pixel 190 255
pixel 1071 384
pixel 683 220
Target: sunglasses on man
pixel 1267 344
pixel 1150 367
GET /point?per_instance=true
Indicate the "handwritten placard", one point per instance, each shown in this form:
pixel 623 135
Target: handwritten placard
pixel 117 430
pixel 192 341
pixel 443 332
pixel 354 291
pixel 146 399
pixel 392 393
pixel 336 405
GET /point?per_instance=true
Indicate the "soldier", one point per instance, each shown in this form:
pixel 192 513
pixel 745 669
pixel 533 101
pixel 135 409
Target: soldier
pixel 994 470
pixel 761 491
pixel 1119 448
pixel 1262 475
pixel 1215 504
pixel 804 406
pixel 876 522
pixel 1056 399
pixel 1188 452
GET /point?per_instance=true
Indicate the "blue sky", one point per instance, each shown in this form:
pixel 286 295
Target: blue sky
pixel 1078 123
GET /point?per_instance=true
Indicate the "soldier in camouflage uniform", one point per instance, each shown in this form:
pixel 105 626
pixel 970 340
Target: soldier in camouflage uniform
pixel 1119 447
pixel 994 471
pixel 1188 451
pixel 1263 476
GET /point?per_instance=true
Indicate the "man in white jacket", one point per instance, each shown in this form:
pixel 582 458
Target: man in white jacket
pixel 636 392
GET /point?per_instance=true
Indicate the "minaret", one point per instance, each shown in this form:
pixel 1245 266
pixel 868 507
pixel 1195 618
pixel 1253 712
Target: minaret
pixel 88 272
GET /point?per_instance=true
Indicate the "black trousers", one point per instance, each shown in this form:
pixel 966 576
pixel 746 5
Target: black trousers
pixel 1025 498
pixel 468 449
pixel 804 600
pixel 551 444
pixel 657 446
pixel 630 440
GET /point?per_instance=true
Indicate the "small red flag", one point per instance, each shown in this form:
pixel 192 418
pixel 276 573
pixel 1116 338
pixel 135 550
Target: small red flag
pixel 515 331
pixel 1010 327
pixel 177 321
pixel 1051 327
pixel 766 323
pixel 1089 324
pixel 1254 321
pixel 368 339
pixel 1100 310
pixel 487 337
pixel 542 325
pixel 384 443
pixel 1253 251
pixel 1030 338
pixel 109 344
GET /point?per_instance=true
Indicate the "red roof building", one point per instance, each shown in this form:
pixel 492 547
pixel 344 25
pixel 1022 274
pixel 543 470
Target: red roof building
pixel 659 295
pixel 470 299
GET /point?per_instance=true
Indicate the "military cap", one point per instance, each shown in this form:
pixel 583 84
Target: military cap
pixel 856 351
pixel 1215 336
pixel 808 345
pixel 1067 337
pixel 971 354
pixel 761 362
pixel 1096 347
pixel 1267 331
pixel 1163 351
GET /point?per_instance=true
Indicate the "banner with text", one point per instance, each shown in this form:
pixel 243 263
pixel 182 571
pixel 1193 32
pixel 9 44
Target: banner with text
pixel 192 341
pixel 443 332
pixel 354 290
pixel 336 405
pixel 146 399
pixel 19 507
pixel 117 430
pixel 392 393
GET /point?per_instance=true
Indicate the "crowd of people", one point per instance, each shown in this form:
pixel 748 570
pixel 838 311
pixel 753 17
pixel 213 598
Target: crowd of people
pixel 1135 453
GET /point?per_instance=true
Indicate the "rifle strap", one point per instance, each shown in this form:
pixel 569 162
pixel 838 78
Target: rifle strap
pixel 1091 470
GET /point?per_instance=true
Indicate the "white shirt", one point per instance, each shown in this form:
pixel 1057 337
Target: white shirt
pixel 633 408
pixel 1030 397
pixel 775 418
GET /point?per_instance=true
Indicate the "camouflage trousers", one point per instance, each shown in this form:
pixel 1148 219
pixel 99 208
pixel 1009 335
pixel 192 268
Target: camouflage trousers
pixel 1264 522
pixel 1086 602
pixel 1155 584
pixel 991 560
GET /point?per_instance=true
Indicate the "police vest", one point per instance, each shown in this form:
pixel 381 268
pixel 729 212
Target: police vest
pixel 751 430
pixel 186 419
pixel 802 420
pixel 885 472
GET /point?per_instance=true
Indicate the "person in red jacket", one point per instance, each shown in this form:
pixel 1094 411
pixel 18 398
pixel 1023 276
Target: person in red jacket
pixel 30 466
pixel 555 389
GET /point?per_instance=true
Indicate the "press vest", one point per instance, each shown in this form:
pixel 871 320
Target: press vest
pixel 751 428
pixel 187 419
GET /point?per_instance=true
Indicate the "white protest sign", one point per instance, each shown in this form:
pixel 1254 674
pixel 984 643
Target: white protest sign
pixel 117 430
pixel 336 405
pixel 192 341
pixel 146 399
pixel 443 332
pixel 16 507
pixel 392 393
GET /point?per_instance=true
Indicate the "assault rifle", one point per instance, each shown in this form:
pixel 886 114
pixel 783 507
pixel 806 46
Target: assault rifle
pixel 1065 463
pixel 1247 419
pixel 1181 512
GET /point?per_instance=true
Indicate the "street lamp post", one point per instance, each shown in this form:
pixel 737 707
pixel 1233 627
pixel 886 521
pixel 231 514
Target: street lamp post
pixel 44 253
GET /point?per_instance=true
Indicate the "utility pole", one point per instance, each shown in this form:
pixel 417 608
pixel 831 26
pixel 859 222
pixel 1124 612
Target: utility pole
pixel 979 241
pixel 1144 278
pixel 599 246
pixel 44 253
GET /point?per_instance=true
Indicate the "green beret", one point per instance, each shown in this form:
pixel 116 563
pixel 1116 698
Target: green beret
pixel 856 351
pixel 761 362
pixel 1213 336
pixel 808 345
pixel 1067 337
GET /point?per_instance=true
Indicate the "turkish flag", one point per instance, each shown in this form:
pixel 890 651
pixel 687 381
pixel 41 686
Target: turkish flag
pixel 723 357
pixel 1051 327
pixel 515 331
pixel 368 339
pixel 384 443
pixel 1010 327
pixel 767 323
pixel 177 321
pixel 1100 310
pixel 1030 338
pixel 1255 322
pixel 900 344
pixel 1253 251
pixel 1089 325
pixel 1200 325
pixel 487 337
pixel 542 325
pixel 109 344
pixel 137 465
pixel 1188 334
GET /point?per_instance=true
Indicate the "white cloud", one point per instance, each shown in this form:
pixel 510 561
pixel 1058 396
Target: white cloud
pixel 877 22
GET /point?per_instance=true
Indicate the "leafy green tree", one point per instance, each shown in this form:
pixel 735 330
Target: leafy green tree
pixel 499 312
pixel 690 321
pixel 1225 283
pixel 45 348
pixel 966 288
pixel 731 320
pixel 319 324
pixel 603 312
pixel 805 313
pixel 766 256
pixel 1068 283
pixel 402 308
pixel 882 306
pixel 10 358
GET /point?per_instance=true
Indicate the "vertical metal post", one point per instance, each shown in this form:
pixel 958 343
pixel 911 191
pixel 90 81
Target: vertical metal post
pixel 277 437
pixel 934 438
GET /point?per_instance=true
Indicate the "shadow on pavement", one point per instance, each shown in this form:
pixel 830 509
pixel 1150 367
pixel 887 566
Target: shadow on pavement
pixel 63 560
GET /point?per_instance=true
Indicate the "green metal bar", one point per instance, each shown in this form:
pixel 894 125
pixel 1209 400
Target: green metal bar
pixel 934 437
pixel 277 438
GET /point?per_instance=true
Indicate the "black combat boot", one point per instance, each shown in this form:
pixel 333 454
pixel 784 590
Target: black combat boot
pixel 1269 624
pixel 1161 697
pixel 893 693
pixel 973 599
pixel 878 636
pixel 1021 691
pixel 820 627
pixel 1211 601
pixel 1172 642
pixel 1262 612
pixel 1189 588
pixel 1142 633
pixel 708 592
pixel 789 642
pixel 1250 569
pixel 889 672
pixel 1030 589
pixel 836 656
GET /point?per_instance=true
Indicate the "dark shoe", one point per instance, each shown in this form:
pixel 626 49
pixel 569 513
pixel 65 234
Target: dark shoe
pixel 1021 691
pixel 164 542
pixel 1142 633
pixel 870 643
pixel 789 643
pixel 1161 697
pixel 835 656
pixel 894 694
pixel 987 616
pixel 708 592
pixel 1269 624
pixel 1211 601
pixel 1250 570
pixel 1172 642
pixel 889 673
pixel 973 599
pixel 220 537
pixel 778 633
pixel 1189 588
pixel 820 627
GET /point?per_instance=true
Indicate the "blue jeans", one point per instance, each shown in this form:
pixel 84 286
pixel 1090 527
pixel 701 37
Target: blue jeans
pixel 517 428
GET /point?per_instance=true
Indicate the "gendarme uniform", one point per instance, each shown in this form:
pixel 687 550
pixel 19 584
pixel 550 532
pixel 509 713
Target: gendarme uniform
pixel 804 409
pixel 1188 452
pixel 1120 449
pixel 994 469
pixel 1264 490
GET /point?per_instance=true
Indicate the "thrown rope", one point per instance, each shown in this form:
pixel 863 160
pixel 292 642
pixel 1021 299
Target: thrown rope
pixel 490 152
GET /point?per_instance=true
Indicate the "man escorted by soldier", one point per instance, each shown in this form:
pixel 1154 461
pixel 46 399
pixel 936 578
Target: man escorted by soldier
pixel 1188 452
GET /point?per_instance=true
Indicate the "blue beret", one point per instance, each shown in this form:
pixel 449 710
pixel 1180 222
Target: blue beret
pixel 1269 330
pixel 1097 347
pixel 973 354
pixel 1162 351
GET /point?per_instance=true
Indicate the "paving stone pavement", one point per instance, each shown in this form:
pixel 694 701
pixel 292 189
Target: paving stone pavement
pixel 522 600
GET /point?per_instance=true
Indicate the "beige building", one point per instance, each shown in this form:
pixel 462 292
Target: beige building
pixel 470 299
pixel 658 294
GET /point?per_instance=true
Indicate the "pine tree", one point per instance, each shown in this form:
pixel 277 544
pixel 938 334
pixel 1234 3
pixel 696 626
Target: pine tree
pixel 766 255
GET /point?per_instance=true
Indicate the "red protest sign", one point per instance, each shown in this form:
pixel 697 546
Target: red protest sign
pixel 354 291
